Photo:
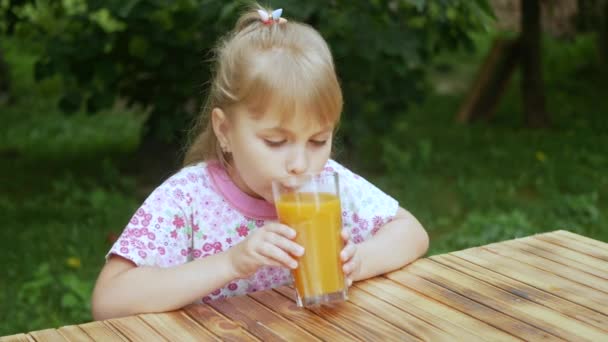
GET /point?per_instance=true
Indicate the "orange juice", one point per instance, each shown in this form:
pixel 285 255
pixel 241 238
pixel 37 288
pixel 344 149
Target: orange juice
pixel 317 219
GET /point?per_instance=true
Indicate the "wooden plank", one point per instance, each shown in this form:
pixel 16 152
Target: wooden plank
pixel 50 335
pixel 259 320
pixel 74 333
pixel 564 255
pixel 14 338
pixel 538 278
pixel 101 332
pixel 304 318
pixel 350 317
pixel 466 305
pixel 135 329
pixel 566 252
pixel 449 319
pixel 534 314
pixel 572 274
pixel 177 326
pixel 581 247
pixel 218 324
pixel 569 235
pixel 399 318
pixel 525 291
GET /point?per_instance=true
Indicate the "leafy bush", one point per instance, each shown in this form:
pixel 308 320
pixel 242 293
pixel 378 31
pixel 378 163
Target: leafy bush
pixel 151 52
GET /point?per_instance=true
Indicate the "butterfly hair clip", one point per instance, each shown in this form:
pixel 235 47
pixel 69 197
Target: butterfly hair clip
pixel 274 17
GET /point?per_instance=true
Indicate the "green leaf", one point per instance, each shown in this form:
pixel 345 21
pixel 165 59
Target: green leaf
pixel 74 7
pixel 138 47
pixel 104 19
pixel 486 7
pixel 419 4
pixel 125 10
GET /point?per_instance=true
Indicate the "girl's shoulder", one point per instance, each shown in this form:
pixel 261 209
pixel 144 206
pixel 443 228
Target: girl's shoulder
pixel 188 184
pixel 191 175
pixel 344 173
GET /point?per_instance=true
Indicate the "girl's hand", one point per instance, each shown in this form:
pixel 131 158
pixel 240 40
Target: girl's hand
pixel 351 261
pixel 270 245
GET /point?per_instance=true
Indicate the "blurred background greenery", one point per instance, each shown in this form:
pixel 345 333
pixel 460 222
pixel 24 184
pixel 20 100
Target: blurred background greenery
pixel 95 98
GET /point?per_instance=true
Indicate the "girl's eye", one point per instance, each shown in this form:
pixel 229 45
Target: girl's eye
pixel 318 143
pixel 274 143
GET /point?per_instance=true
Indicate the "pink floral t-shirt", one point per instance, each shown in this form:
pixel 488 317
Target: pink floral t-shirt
pixel 199 211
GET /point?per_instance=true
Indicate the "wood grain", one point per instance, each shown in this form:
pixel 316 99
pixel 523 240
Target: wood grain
pixel 50 335
pixel 177 326
pixel 259 320
pixel 585 248
pixel 551 266
pixel 355 320
pixel 460 302
pixel 306 319
pixel 539 316
pixel 74 333
pixel 101 332
pixel 15 338
pixel 538 278
pixel 218 324
pixel 525 291
pixel 569 235
pixel 399 318
pixel 447 318
pixel 135 329
pixel 561 255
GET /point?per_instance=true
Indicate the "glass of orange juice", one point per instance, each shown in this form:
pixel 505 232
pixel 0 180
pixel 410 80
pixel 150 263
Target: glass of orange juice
pixel 311 206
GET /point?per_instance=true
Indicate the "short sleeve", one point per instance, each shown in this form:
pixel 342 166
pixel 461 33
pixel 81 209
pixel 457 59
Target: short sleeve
pixel 159 233
pixel 365 208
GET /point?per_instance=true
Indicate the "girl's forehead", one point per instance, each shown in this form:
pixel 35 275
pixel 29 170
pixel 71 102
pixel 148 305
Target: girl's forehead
pixel 291 119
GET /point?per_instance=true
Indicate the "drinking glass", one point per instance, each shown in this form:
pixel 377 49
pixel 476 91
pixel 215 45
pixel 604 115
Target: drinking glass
pixel 310 204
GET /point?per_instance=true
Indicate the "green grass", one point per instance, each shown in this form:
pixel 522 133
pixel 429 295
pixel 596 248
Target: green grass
pixel 63 194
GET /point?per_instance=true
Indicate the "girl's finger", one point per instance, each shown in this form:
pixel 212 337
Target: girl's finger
pixel 347 252
pixel 285 244
pixel 281 229
pixel 347 269
pixel 345 235
pixel 271 251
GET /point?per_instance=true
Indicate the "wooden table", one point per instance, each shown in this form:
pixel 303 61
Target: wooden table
pixel 548 286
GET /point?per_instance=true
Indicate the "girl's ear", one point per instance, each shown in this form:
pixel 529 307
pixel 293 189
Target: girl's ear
pixel 221 126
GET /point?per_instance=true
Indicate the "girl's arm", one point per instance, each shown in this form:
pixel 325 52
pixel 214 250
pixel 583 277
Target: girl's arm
pixel 395 245
pixel 124 289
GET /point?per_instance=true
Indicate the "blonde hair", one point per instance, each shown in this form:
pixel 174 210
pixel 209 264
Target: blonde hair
pixel 258 65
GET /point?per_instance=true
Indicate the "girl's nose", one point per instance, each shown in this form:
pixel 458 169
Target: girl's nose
pixel 298 162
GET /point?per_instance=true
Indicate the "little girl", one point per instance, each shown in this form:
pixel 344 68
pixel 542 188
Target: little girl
pixel 211 231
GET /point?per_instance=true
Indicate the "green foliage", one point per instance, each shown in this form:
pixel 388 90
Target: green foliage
pixel 475 184
pixel 38 130
pixel 151 52
pixel 62 194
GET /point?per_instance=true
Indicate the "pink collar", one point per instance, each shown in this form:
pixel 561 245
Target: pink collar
pixel 249 206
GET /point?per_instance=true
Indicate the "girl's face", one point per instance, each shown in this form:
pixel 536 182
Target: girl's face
pixel 265 148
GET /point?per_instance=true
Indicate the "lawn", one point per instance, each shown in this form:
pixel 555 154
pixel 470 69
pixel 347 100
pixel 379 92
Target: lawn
pixel 65 192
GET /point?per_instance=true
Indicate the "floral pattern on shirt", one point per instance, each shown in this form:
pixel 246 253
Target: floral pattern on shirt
pixel 186 218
